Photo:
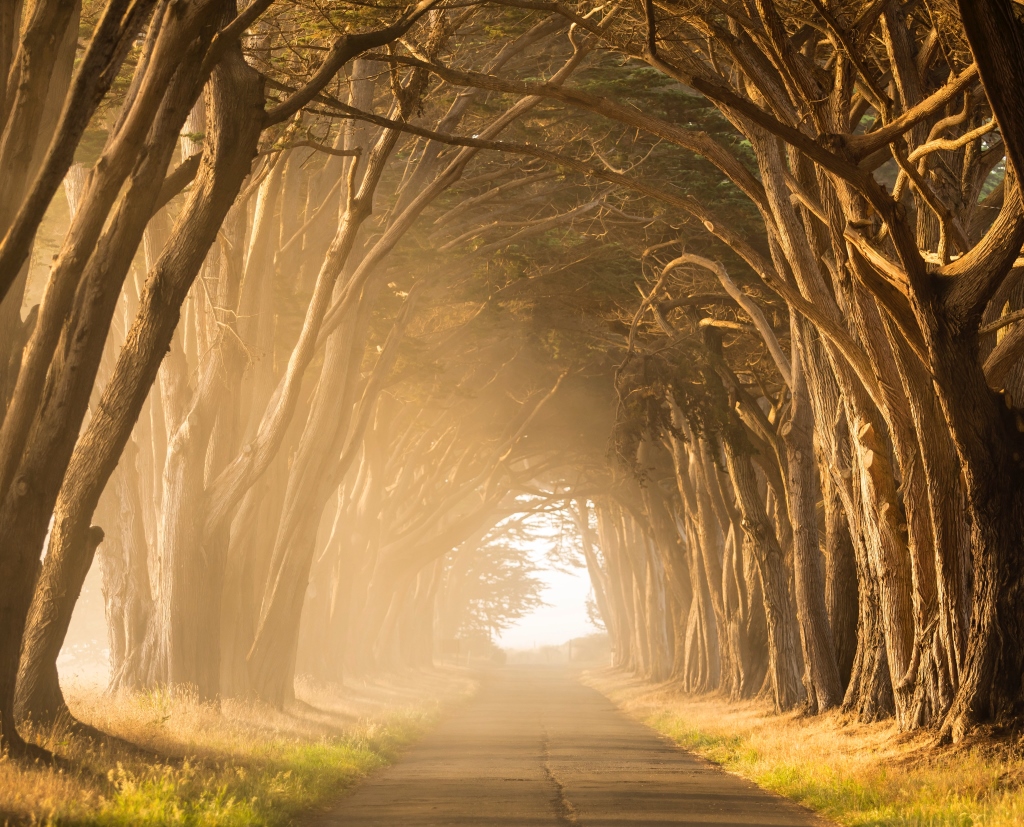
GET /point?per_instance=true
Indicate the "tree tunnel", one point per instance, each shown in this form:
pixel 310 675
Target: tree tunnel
pixel 310 312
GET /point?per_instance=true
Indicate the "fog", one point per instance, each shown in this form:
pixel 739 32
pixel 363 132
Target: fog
pixel 355 357
pixel 564 616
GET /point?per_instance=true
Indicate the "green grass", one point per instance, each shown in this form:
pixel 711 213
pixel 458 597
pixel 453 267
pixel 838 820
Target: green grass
pixel 853 774
pixel 269 787
pixel 239 763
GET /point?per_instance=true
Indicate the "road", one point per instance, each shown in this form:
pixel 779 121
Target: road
pixel 537 747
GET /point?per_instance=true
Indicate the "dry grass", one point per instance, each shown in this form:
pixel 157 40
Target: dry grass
pixel 182 762
pixel 855 774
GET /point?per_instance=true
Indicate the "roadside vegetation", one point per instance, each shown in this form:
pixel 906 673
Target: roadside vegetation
pixel 186 762
pixel 854 773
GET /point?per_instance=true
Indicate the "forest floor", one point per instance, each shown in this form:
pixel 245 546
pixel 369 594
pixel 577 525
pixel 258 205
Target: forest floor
pixel 855 774
pixel 182 762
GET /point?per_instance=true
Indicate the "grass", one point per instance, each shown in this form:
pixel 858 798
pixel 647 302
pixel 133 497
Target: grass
pixel 243 764
pixel 862 775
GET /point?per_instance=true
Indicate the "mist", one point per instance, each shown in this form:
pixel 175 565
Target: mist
pixel 449 402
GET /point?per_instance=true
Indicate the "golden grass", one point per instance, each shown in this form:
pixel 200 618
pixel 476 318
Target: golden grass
pixel 245 764
pixel 863 775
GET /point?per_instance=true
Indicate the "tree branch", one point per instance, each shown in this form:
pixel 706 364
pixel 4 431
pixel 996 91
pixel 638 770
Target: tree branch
pixel 345 48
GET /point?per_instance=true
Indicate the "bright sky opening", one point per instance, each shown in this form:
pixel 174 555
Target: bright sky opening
pixel 563 618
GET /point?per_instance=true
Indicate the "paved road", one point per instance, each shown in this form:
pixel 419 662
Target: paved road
pixel 536 747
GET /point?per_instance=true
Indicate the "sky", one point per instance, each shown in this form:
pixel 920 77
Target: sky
pixel 564 618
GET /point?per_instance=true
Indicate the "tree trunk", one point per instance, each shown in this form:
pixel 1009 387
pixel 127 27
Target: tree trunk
pixel 39 697
pixel 126 583
pixel 783 633
pixel 232 141
pixel 869 693
pixel 840 581
pixel 824 691
pixel 619 617
pixel 35 467
pixel 990 450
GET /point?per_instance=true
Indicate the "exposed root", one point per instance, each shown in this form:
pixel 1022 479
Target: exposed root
pixel 27 752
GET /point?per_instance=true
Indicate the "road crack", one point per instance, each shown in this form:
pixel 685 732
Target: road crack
pixel 565 812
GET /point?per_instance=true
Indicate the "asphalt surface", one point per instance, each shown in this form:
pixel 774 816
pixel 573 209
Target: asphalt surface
pixel 536 747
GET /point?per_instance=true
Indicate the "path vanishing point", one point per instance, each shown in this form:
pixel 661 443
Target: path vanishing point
pixel 537 747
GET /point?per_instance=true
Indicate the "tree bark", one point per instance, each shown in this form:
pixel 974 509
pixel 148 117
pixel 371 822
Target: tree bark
pixel 824 690
pixel 783 632
pixel 236 100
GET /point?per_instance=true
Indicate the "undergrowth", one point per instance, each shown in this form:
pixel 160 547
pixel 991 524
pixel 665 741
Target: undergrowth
pixel 241 765
pixel 270 786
